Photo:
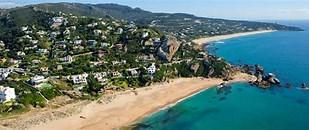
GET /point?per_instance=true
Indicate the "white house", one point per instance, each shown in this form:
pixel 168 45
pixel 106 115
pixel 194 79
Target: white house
pixel 152 69
pixel 20 53
pixel 3 76
pixel 2 44
pixel 37 80
pixel 25 28
pixel 7 94
pixel 78 42
pixel 66 32
pixel 97 32
pixel 57 21
pixel 145 34
pixel 79 79
pixel 92 42
pixel 5 72
pixel 133 71
pixel 116 74
pixel 104 44
pixel 120 31
pixel 42 51
pixel 67 59
pixel 101 77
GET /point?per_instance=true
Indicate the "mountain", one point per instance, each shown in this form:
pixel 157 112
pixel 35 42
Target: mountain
pixel 185 26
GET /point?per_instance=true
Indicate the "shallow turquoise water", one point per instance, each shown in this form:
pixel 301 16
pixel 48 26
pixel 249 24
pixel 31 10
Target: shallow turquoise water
pixel 244 107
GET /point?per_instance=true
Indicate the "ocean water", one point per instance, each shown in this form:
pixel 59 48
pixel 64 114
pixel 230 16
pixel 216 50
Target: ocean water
pixel 244 107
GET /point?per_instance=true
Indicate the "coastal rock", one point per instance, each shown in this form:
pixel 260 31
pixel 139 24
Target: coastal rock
pixel 271 78
pixel 267 81
pixel 168 48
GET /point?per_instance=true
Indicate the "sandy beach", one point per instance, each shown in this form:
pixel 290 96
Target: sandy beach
pixel 129 107
pixel 206 40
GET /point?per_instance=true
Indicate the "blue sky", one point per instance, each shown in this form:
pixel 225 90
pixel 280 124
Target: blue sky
pixel 230 9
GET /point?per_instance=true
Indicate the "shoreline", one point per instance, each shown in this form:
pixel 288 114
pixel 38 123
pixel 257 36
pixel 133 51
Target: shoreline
pixel 127 108
pixel 207 40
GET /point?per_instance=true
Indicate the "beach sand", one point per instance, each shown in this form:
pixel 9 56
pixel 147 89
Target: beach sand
pixel 206 40
pixel 128 107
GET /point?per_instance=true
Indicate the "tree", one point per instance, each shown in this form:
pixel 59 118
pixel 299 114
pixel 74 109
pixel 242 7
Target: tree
pixel 93 85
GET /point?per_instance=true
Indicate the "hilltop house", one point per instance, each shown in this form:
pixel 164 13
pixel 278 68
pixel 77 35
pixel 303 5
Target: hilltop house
pixel 7 94
pixel 42 51
pixel 67 59
pixel 92 25
pixel 53 35
pixel 66 32
pixel 101 53
pixel 2 45
pixel 44 69
pixel 152 69
pixel 37 80
pixel 116 74
pixel 145 35
pixel 24 28
pixel 41 33
pixel 144 57
pixel 59 67
pixel 133 71
pixel 58 21
pixel 36 62
pixel 79 79
pixel 119 31
pixel 4 73
pixel 20 53
pixel 119 63
pixel 104 44
pixel 92 43
pixel 78 42
pixel 97 32
pixel 101 77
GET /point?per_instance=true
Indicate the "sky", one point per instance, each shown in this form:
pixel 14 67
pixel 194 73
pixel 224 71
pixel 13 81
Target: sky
pixel 228 9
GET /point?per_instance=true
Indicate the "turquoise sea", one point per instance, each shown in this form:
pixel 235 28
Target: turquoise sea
pixel 243 107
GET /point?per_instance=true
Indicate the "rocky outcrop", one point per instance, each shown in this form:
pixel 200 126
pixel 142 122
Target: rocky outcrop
pixel 271 78
pixel 195 67
pixel 267 80
pixel 262 80
pixel 168 48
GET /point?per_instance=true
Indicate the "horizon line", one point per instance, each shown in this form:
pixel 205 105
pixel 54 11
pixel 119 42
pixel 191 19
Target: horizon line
pixel 239 19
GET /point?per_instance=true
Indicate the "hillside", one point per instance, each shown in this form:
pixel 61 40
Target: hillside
pixel 185 26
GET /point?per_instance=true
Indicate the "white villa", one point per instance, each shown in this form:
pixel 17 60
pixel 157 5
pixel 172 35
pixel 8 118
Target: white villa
pixel 79 79
pixel 145 34
pixel 116 74
pixel 97 32
pixel 78 42
pixel 101 77
pixel 133 71
pixel 57 21
pixel 4 73
pixel 67 59
pixel 37 80
pixel 152 69
pixel 7 94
